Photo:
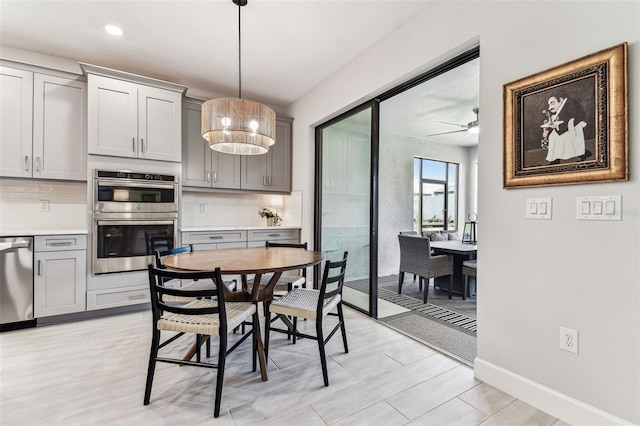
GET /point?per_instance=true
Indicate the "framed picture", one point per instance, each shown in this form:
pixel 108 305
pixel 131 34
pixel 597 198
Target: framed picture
pixel 568 124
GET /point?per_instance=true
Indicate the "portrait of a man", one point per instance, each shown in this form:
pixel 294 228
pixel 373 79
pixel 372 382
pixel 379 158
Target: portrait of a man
pixel 560 124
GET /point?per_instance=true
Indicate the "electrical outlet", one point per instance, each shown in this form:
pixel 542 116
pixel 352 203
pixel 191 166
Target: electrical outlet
pixel 44 205
pixel 203 209
pixel 569 340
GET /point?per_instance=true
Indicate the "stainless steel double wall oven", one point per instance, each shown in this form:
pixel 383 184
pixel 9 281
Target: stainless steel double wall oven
pixel 127 208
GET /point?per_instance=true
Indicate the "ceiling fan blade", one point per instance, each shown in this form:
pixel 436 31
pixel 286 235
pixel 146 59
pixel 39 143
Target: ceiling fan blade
pixel 451 124
pixel 447 133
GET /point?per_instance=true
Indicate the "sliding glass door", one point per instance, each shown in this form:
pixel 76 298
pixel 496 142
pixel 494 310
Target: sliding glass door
pixel 343 216
pixel 365 188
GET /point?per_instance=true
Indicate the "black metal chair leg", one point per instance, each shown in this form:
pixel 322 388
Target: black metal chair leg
pixel 153 354
pixel 323 358
pixel 400 280
pixel 342 328
pixel 267 332
pixel 426 289
pixel 450 285
pixel 222 358
pixel 198 344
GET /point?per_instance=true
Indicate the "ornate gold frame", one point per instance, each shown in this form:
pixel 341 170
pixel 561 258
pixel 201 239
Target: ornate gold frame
pixel 604 75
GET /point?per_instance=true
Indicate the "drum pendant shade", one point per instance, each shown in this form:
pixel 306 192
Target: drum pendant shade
pixel 238 126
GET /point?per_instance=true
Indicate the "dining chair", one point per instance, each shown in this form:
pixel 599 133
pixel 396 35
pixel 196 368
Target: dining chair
pixel 469 269
pixel 162 242
pixel 287 282
pixel 416 258
pixel 414 233
pixel 193 285
pixel 201 316
pixel 314 305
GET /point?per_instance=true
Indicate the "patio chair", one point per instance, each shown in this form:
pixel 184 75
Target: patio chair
pixel 416 258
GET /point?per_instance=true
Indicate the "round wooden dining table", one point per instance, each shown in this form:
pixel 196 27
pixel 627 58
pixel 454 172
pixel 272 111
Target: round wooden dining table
pixel 244 261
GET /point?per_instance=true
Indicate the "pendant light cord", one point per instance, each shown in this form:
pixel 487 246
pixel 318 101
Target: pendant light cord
pixel 239 53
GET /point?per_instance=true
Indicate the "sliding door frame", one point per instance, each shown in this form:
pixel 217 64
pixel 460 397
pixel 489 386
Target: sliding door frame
pixel 374 104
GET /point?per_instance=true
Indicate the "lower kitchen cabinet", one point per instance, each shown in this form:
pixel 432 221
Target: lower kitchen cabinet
pixel 60 274
pixel 259 237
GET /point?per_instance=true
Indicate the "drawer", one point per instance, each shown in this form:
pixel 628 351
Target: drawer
pixel 274 235
pixel 60 242
pixel 125 296
pixel 208 237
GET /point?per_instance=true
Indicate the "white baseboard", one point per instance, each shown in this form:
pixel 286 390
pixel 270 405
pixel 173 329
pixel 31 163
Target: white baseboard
pixel 567 409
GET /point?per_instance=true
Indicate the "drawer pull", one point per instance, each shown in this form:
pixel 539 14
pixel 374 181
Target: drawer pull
pixel 216 237
pixel 274 235
pixel 137 297
pixel 60 243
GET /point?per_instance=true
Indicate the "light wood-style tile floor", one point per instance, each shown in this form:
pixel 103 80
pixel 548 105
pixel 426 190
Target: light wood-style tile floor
pixel 93 372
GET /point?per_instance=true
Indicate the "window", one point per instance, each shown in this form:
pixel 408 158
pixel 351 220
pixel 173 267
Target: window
pixel 435 195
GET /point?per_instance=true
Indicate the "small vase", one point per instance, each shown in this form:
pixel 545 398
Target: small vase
pixel 271 221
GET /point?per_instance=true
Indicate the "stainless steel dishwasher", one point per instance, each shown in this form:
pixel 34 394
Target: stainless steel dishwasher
pixel 16 283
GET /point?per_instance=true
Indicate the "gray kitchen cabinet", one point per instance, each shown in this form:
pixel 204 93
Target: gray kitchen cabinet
pixel 202 166
pixel 129 119
pixel 258 237
pixel 270 172
pixel 212 240
pixel 43 125
pixel 60 274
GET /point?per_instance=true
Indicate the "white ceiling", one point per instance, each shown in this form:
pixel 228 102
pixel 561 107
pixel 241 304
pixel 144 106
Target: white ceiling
pixel 288 47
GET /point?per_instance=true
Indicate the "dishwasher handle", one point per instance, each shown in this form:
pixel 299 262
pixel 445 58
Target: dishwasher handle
pixel 14 246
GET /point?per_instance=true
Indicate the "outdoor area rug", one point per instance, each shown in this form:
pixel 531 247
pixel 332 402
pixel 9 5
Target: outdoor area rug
pixel 447 324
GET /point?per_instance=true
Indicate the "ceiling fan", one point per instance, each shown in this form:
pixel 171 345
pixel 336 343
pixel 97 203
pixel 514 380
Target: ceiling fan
pixel 471 127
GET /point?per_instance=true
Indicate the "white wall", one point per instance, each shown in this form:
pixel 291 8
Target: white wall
pixel 536 275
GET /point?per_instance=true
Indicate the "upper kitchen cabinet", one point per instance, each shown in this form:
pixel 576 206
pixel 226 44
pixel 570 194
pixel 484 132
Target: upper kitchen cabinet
pixel 272 171
pixel 202 166
pixel 133 116
pixel 43 125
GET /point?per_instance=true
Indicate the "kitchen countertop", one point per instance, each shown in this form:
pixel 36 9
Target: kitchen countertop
pixel 233 228
pixel 32 232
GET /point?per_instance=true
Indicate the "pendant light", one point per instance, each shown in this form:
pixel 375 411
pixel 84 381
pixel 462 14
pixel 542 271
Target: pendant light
pixel 236 125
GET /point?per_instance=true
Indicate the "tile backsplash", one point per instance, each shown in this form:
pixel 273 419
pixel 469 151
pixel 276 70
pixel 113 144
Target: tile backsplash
pixel 201 209
pixel 23 201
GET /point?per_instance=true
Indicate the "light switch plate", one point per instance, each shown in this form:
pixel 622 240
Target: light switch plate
pixel 539 208
pixel 607 207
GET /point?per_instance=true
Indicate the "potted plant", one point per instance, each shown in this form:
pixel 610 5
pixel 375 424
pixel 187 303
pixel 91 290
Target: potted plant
pixel 272 217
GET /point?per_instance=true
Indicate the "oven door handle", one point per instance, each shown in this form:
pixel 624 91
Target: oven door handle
pixel 135 222
pixel 144 184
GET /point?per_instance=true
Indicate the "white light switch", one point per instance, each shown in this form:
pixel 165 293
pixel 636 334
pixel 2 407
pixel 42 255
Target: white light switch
pixel 599 208
pixel 538 208
pixel 586 207
pixel 610 208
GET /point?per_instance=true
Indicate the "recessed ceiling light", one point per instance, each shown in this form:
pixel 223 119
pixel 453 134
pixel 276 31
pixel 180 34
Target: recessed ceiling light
pixel 113 30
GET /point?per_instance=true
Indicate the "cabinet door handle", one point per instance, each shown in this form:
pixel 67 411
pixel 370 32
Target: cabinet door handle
pixel 208 176
pixel 26 163
pixel 133 144
pixel 142 145
pixel 39 269
pixel 215 177
pixel 269 180
pixel 38 164
pixel 60 243
pixel 264 181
